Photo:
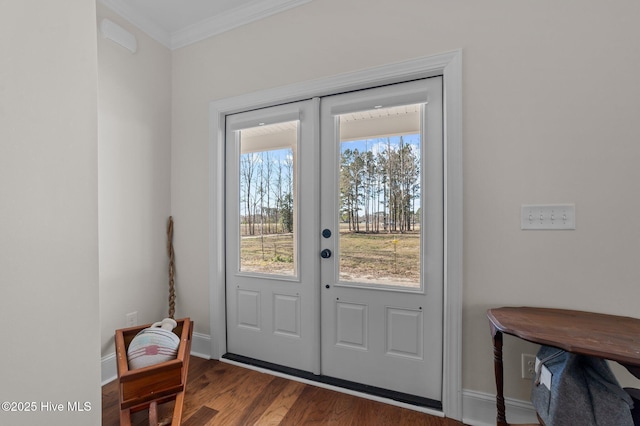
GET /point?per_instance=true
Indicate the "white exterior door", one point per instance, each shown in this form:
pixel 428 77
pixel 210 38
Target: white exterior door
pixel 335 243
pixel 382 199
pixel 272 278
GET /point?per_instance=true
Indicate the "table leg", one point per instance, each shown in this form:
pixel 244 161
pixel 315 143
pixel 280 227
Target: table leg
pixel 498 368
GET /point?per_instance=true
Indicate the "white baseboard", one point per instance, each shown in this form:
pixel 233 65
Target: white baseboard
pixel 200 347
pixel 479 409
pixel 108 368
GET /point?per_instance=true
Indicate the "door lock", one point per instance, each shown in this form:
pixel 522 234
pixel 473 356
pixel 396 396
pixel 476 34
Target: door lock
pixel 325 254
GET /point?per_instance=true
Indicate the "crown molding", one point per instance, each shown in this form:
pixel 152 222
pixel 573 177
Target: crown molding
pixel 207 28
pixel 232 19
pixel 152 29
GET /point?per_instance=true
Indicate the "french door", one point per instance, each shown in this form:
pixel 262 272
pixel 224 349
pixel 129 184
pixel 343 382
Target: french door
pixel 334 213
pixel 272 282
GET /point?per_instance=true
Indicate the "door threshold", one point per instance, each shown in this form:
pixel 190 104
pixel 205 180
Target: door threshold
pixel 401 397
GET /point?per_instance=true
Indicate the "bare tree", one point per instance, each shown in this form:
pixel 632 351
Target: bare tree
pixel 248 163
pixel 392 174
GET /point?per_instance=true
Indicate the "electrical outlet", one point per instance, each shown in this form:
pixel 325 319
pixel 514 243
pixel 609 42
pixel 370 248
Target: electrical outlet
pixel 528 366
pixel 132 319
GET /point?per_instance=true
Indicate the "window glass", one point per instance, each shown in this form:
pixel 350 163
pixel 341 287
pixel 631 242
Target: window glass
pixel 380 203
pixel 268 199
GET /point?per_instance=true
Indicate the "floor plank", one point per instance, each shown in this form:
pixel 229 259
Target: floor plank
pixel 275 413
pixel 201 417
pixel 225 394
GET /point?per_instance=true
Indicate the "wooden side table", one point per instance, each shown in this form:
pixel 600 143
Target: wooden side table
pixel 610 337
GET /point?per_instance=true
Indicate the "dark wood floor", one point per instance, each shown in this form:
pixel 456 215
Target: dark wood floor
pixel 224 394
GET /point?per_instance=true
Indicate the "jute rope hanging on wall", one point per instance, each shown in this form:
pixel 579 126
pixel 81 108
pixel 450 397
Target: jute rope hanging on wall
pixel 172 289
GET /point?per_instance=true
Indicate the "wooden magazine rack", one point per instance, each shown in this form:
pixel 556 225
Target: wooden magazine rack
pixel 145 388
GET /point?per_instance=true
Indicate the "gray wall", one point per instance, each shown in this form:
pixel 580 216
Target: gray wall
pixel 49 211
pixel 551 106
pixel 134 180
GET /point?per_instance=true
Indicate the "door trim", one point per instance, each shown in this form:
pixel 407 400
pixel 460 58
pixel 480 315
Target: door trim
pixel 449 65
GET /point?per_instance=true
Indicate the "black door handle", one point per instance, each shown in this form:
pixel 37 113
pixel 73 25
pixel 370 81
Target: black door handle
pixel 325 254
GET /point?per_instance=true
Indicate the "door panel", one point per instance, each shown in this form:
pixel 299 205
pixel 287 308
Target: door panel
pixel 382 198
pixel 272 279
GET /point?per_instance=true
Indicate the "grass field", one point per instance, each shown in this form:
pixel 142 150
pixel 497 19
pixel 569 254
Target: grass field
pixel 391 259
pixel 271 254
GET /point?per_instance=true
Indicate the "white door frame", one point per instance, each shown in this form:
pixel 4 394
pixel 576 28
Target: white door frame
pixel 449 65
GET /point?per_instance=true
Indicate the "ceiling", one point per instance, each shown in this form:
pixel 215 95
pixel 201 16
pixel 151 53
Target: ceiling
pixel 177 23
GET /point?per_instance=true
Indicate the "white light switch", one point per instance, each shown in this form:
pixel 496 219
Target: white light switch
pixel 547 216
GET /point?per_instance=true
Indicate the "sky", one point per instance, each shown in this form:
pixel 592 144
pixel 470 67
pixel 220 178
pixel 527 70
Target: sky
pixel 375 145
pixel 379 144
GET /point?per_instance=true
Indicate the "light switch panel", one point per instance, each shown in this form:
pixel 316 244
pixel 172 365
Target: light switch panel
pixel 547 216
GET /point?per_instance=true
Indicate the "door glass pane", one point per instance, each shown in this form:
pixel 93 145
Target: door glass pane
pixel 268 199
pixel 380 202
